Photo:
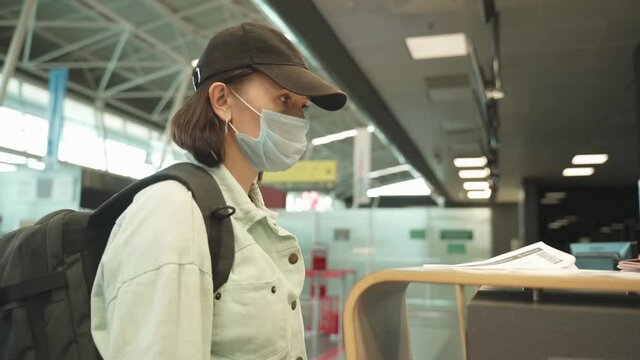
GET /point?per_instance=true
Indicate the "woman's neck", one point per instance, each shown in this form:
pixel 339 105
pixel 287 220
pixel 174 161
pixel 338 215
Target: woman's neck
pixel 238 165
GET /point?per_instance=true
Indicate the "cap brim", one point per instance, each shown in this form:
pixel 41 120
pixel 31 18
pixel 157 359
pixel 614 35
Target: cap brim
pixel 302 81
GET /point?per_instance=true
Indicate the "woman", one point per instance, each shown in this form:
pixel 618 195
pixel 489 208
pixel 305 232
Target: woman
pixel 153 295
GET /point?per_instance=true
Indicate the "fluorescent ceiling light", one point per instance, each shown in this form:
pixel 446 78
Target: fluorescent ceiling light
pixel 415 187
pixel 194 62
pixel 582 171
pixel 555 225
pixel 617 226
pixel 7 167
pixel 474 174
pixel 475 185
pixel 437 46
pixel 483 194
pixel 334 137
pixel 12 159
pixel 590 159
pixel 549 201
pixel 556 195
pixel 389 171
pixel 470 162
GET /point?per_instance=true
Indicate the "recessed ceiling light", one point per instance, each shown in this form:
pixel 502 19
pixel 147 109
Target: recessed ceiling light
pixel 470 162
pixel 581 171
pixel 474 174
pixel 555 195
pixel 475 185
pixel 437 46
pixel 483 194
pixel 549 201
pixel 415 187
pixel 555 225
pixel 590 159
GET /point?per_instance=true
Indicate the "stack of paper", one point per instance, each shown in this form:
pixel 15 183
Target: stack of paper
pixel 629 265
pixel 538 256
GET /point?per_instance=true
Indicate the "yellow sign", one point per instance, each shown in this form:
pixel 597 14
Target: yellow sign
pixel 306 171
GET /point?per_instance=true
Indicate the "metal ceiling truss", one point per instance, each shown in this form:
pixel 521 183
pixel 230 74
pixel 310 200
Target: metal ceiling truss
pixel 119 33
pixel 101 91
pixel 70 24
pixel 104 64
pixel 141 66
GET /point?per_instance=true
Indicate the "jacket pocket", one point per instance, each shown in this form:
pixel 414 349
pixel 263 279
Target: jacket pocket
pixel 251 321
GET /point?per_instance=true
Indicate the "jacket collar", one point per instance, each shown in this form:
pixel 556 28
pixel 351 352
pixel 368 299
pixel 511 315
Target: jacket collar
pixel 249 209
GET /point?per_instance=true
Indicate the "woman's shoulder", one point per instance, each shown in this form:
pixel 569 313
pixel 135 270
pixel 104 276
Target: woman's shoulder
pixel 168 192
pixel 165 207
pixel 160 232
pixel 161 225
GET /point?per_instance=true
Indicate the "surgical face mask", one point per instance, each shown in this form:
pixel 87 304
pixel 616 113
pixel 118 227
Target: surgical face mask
pixel 281 143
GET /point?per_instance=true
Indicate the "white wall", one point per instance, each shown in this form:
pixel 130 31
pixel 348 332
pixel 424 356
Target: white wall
pixel 381 238
pixel 26 194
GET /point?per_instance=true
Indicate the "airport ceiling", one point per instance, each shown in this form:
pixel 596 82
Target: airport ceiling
pixel 144 50
pixel 566 71
pixel 565 68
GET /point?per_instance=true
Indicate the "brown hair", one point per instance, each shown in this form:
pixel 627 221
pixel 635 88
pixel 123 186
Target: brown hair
pixel 196 128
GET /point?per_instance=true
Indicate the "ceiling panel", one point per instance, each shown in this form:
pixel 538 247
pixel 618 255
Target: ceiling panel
pixel 564 67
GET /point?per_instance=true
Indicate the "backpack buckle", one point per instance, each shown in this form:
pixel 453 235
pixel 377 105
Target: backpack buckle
pixel 223 212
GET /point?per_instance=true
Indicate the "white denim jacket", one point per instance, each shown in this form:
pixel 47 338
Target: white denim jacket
pixel 153 294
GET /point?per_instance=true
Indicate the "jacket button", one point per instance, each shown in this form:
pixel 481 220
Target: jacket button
pixel 293 258
pixel 218 296
pixel 273 289
pixel 294 305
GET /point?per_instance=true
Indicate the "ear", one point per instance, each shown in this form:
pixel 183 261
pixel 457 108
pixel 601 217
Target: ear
pixel 219 100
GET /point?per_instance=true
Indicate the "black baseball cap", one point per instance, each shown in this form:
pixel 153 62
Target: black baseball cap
pixel 269 51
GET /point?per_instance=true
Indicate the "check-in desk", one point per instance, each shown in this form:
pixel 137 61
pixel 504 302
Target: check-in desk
pixel 375 314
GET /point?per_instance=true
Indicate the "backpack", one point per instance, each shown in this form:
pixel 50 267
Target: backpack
pixel 47 270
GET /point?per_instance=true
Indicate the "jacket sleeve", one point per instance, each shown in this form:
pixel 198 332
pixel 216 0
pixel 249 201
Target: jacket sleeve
pixel 153 293
pixel 162 314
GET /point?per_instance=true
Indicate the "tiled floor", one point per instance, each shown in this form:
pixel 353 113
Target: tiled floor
pixel 324 348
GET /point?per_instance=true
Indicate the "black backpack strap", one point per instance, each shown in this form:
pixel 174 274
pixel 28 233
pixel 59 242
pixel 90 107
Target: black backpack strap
pixel 35 314
pixel 34 286
pixel 206 194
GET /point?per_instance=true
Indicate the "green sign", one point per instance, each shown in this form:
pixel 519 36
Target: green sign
pixel 418 234
pixel 457 249
pixel 456 235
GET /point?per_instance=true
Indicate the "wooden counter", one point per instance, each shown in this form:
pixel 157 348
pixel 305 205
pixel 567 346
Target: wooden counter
pixel 375 314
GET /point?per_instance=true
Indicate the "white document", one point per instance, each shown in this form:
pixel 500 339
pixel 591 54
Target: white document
pixel 538 256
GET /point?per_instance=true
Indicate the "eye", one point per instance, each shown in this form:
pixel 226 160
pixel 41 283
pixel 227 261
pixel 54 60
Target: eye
pixel 285 98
